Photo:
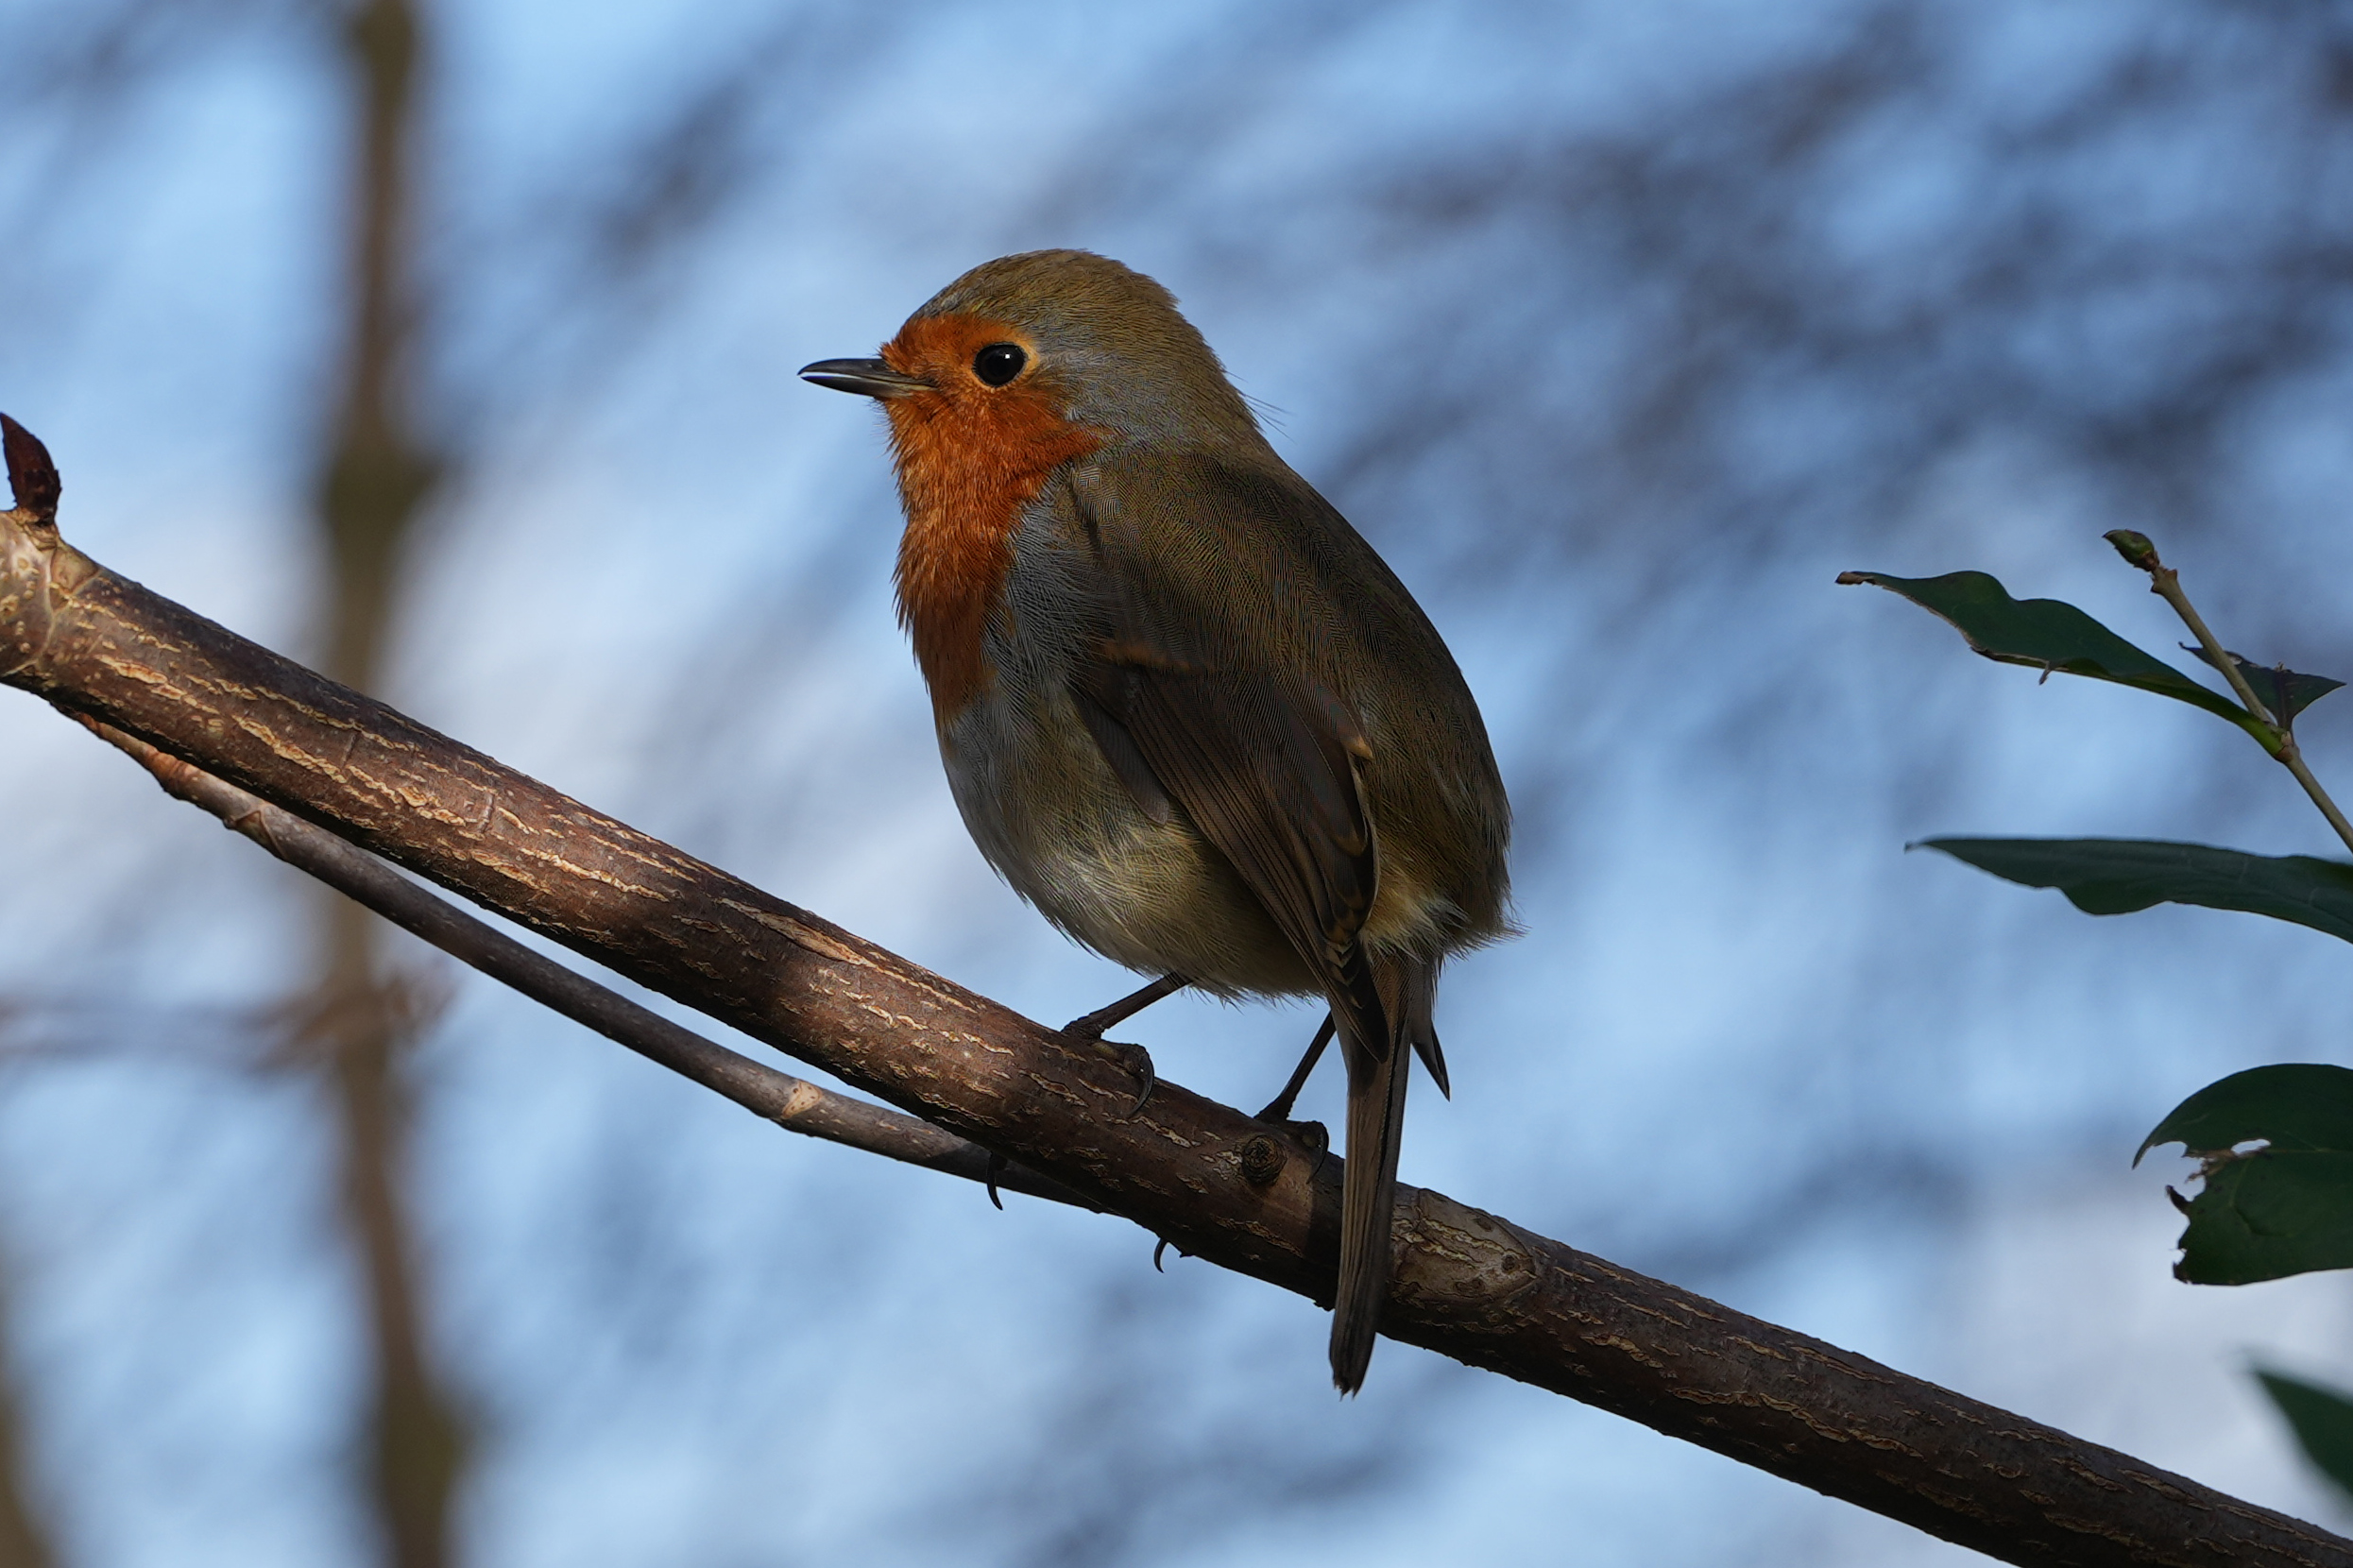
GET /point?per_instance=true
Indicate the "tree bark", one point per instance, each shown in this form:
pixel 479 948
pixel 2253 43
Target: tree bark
pixel 1469 1285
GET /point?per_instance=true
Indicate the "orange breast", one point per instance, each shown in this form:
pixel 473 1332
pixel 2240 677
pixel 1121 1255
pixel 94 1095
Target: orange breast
pixel 969 458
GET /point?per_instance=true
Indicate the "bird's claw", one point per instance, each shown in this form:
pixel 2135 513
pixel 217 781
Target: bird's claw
pixel 1138 1064
pixel 998 1164
pixel 1316 1139
pixel 1136 1060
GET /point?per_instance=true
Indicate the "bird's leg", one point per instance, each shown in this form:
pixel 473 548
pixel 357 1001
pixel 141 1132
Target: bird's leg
pixel 1092 1026
pixel 1279 1109
pixel 1136 1058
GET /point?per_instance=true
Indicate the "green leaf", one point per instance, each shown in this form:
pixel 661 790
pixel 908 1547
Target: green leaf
pixel 2286 692
pixel 2048 634
pixel 2283 1208
pixel 2119 875
pixel 2266 1216
pixel 2295 1107
pixel 2321 1420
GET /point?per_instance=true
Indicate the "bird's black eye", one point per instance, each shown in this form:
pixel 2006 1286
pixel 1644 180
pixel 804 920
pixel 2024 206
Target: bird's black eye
pixel 998 362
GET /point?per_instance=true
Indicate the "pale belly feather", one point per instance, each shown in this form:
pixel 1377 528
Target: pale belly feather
pixel 1072 841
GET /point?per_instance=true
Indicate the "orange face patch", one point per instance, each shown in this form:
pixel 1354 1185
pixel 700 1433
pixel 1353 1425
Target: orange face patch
pixel 969 457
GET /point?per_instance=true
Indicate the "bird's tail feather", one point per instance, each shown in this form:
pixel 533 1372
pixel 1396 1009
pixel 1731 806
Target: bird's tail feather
pixel 1377 1124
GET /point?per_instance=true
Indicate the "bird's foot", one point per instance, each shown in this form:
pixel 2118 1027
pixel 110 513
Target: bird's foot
pixel 1316 1138
pixel 1278 1109
pixel 1313 1136
pixel 1135 1059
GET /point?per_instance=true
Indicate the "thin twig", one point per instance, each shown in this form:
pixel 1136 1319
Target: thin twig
pixel 2165 581
pixel 2292 759
pixel 792 1104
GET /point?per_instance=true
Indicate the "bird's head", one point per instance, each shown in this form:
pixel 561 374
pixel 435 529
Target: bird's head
pixel 1028 348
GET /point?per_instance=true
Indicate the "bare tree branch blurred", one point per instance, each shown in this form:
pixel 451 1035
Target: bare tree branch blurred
pixel 23 1532
pixel 1152 1460
pixel 376 477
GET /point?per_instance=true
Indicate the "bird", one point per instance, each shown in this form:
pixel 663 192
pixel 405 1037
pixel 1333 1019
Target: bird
pixel 1184 709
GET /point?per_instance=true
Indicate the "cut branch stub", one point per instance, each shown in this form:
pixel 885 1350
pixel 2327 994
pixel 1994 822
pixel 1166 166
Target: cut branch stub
pixel 32 478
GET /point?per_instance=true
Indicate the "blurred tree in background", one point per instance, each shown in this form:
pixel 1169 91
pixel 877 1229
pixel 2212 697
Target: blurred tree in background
pixel 1618 330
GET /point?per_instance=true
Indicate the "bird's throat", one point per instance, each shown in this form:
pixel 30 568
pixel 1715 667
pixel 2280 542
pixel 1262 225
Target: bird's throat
pixel 967 465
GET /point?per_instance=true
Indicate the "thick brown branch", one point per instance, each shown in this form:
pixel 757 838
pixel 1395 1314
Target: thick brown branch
pixel 1469 1285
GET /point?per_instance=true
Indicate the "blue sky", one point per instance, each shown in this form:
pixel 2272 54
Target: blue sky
pixel 1620 330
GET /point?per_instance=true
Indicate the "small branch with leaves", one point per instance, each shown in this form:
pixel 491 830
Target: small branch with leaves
pixel 2275 1144
pixel 2290 692
pixel 1220 1185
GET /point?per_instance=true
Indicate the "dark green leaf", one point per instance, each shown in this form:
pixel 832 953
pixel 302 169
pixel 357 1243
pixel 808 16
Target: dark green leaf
pixel 2283 691
pixel 2321 1420
pixel 2047 634
pixel 2119 875
pixel 2284 1208
pixel 2265 1215
pixel 2295 1107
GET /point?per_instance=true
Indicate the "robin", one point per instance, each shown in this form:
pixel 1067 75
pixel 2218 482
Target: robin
pixel 1184 709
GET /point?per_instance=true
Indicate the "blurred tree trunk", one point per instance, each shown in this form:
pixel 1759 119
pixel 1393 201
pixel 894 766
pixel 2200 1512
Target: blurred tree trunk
pixel 375 477
pixel 24 1542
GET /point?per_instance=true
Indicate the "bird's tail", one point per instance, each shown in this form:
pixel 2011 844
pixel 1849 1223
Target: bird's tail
pixel 1378 1073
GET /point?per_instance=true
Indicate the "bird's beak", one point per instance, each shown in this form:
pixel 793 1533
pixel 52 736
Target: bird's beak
pixel 870 376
